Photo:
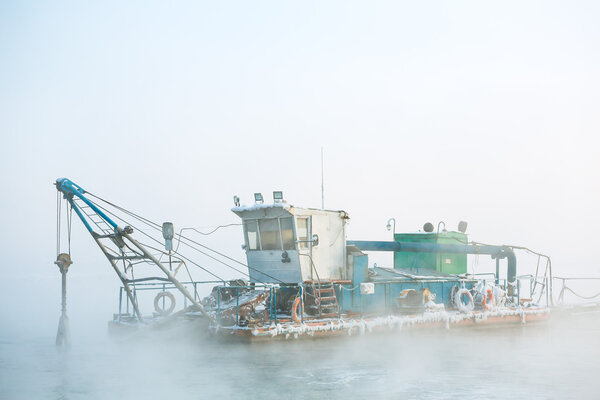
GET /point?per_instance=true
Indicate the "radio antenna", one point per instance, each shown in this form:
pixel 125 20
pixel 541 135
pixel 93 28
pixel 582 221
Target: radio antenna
pixel 322 183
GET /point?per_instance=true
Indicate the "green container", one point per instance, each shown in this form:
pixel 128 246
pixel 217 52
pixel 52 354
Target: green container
pixel 446 263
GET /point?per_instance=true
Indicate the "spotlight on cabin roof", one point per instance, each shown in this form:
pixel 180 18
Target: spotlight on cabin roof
pixel 258 198
pixel 236 201
pixel 278 196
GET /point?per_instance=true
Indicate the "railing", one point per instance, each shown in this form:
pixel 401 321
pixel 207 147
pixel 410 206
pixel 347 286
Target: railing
pixel 565 288
pixel 273 292
pixel 516 295
pixel 156 286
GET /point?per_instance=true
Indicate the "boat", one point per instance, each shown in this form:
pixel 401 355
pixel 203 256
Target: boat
pixel 302 277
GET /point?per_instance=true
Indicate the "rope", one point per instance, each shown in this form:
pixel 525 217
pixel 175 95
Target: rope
pixel 578 295
pixel 69 223
pixel 227 257
pixel 313 266
pixel 154 239
pixel 187 259
pixel 58 209
pixel 159 228
pixel 208 233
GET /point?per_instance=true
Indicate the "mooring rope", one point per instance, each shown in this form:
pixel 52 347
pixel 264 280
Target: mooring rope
pixel 577 294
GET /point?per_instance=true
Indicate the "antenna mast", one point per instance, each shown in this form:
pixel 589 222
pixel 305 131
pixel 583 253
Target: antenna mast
pixel 322 183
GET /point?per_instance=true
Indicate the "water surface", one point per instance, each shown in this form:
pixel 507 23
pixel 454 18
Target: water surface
pixel 560 359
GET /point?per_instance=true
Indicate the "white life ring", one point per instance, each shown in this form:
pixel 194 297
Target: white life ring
pixel 159 309
pixel 464 307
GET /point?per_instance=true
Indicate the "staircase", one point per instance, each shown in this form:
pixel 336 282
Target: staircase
pixel 325 299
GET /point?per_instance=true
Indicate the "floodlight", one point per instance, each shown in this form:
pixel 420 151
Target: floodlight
pixel 278 196
pixel 389 224
pixel 258 198
pixel 236 201
pixel 168 232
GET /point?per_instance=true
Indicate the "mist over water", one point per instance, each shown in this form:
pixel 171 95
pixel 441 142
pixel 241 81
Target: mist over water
pixel 558 359
pixel 485 112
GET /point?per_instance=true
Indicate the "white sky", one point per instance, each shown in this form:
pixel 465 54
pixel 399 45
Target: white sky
pixel 427 111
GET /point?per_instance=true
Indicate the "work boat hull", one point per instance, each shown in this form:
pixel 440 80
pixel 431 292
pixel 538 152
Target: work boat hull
pixel 192 323
pixel 348 326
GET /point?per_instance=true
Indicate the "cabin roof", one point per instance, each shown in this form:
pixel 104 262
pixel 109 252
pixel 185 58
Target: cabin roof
pixel 241 210
pixel 260 206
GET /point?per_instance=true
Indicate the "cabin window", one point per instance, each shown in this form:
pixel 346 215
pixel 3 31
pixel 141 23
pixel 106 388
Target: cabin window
pixel 269 234
pixel 287 233
pixel 251 235
pixel 303 232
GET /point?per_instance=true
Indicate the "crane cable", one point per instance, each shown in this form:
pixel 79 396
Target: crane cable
pixel 159 228
pixel 58 209
pixel 157 241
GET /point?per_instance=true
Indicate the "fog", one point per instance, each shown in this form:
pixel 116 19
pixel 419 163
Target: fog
pixel 426 112
pixel 532 362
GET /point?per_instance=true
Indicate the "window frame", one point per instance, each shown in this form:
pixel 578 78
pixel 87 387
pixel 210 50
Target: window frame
pixel 260 244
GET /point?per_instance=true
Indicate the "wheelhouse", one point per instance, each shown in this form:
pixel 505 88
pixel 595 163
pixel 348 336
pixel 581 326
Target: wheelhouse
pixel 288 244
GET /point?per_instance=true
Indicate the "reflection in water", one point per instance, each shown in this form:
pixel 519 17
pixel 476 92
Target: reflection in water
pixel 553 360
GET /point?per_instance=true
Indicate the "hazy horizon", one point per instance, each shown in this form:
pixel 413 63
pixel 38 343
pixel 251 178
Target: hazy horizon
pixel 427 112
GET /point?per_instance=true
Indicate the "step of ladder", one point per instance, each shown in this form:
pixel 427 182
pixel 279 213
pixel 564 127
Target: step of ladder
pixel 325 298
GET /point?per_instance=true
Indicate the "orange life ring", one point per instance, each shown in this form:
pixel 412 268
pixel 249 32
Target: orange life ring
pixel 488 297
pixel 295 310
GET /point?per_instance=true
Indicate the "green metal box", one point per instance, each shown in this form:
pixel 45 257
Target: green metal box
pixel 446 263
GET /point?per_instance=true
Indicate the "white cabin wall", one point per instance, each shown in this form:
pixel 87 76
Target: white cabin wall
pixel 328 256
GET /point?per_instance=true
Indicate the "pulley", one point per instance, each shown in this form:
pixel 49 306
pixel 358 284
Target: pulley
pixel 63 260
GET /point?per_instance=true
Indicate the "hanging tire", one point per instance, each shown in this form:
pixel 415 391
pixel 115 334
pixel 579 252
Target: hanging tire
pixel 159 309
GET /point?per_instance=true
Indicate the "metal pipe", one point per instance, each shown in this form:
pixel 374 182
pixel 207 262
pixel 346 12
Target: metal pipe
pixel 122 277
pixel 497 270
pixel 414 247
pixel 63 334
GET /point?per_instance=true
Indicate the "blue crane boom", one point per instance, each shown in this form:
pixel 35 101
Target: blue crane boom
pixel 116 243
pixel 71 189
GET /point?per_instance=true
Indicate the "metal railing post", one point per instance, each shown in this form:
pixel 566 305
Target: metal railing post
pixel 275 304
pixel 120 301
pixel 237 306
pixel 342 296
pixel 218 306
pixel 302 303
pixel 135 298
pixel 339 307
pixel 531 287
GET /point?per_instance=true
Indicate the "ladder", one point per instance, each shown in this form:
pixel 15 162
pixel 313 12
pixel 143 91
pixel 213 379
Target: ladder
pixel 325 299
